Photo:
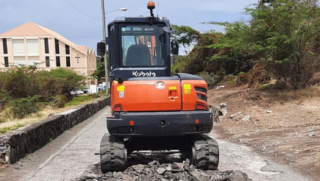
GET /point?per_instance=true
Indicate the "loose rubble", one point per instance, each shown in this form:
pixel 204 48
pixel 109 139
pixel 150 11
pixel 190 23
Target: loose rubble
pixel 164 170
pixel 161 172
pixel 246 118
pixel 232 116
pixel 221 86
pixel 223 109
pixel 220 113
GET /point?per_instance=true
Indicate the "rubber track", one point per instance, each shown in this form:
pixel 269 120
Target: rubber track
pixel 112 154
pixel 206 154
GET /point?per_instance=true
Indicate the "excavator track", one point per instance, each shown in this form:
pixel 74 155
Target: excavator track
pixel 205 152
pixel 113 154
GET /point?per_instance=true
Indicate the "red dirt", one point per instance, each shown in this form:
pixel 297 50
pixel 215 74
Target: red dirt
pixel 289 135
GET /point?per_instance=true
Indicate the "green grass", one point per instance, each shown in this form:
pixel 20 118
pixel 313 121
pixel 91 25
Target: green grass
pixel 14 127
pixel 229 80
pixel 81 99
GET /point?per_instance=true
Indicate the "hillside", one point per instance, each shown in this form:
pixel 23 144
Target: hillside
pixel 284 125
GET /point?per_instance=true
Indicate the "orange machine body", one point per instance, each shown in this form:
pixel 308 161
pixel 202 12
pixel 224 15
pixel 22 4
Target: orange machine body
pixel 157 96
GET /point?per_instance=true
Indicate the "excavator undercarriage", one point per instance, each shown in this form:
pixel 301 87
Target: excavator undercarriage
pixel 201 150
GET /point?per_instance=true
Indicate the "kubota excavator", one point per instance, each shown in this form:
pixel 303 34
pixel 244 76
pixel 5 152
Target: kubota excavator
pixel 150 109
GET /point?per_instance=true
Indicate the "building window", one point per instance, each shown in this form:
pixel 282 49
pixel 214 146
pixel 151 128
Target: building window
pixel 57 46
pixel 68 61
pixel 34 61
pixel 20 61
pixel 6 61
pixel 33 47
pixel 58 61
pixel 5 48
pixel 18 47
pixel 47 61
pixel 46 45
pixel 67 49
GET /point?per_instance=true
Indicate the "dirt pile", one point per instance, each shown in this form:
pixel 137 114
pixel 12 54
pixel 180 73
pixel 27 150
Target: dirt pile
pixel 163 167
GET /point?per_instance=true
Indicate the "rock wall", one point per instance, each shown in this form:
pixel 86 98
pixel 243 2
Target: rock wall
pixel 17 144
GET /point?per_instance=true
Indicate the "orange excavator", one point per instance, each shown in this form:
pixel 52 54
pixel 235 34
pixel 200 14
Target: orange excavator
pixel 150 109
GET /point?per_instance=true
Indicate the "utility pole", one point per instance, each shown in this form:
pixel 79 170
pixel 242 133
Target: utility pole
pixel 105 40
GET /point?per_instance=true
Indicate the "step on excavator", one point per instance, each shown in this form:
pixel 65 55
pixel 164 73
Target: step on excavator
pixel 150 109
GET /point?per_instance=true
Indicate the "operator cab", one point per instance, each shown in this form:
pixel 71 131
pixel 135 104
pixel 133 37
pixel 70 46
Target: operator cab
pixel 139 47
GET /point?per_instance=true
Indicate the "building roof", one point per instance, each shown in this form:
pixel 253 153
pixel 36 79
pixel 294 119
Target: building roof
pixel 82 47
pixel 28 29
pixel 32 29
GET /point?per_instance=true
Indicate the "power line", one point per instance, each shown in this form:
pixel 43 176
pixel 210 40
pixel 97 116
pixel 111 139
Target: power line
pixel 81 11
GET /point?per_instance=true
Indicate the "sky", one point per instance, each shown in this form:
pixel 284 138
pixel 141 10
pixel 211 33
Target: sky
pixel 60 16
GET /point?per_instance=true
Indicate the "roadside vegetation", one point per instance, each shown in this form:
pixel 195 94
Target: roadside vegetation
pixel 270 68
pixel 280 41
pixel 99 72
pixel 28 95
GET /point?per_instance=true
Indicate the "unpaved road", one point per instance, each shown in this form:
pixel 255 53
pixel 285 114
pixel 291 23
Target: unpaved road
pixel 74 153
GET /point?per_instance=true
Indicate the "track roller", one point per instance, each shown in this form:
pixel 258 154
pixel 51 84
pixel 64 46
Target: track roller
pixel 205 152
pixel 113 154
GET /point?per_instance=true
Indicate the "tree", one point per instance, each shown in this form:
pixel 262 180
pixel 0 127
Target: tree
pixel 281 34
pixel 285 33
pixel 186 35
pixel 215 52
pixel 100 71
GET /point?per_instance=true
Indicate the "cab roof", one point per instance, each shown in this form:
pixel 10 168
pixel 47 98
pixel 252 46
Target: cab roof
pixel 139 20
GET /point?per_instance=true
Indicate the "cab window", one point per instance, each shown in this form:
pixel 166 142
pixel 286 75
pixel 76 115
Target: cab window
pixel 141 45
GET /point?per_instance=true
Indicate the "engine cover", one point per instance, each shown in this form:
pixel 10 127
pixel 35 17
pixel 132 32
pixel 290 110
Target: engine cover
pixel 183 92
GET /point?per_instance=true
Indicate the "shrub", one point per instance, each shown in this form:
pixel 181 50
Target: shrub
pixel 18 82
pixel 179 64
pixel 103 93
pixel 209 78
pixel 4 99
pixel 243 78
pixel 5 115
pixel 24 82
pixel 22 107
pixel 22 87
pixel 258 75
pixel 230 80
pixel 59 101
pixel 94 96
pixel 315 80
pixel 58 82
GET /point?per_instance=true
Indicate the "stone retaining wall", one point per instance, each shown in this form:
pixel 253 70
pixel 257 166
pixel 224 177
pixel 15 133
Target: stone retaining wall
pixel 17 144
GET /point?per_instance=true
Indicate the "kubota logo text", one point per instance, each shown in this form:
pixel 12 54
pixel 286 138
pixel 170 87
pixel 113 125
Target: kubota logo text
pixel 143 74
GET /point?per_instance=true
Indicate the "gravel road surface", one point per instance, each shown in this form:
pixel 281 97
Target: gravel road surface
pixel 75 153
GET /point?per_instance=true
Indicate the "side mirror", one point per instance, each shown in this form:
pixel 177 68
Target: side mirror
pixel 169 30
pixel 175 47
pixel 101 49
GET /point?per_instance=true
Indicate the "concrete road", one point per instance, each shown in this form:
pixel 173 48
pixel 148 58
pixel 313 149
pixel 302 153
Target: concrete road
pixel 74 153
